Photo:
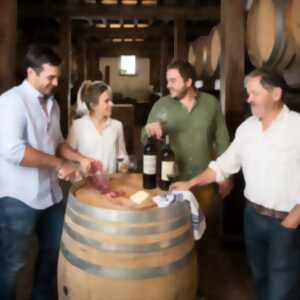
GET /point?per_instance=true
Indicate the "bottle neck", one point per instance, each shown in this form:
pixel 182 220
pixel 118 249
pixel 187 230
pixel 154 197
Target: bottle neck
pixel 167 140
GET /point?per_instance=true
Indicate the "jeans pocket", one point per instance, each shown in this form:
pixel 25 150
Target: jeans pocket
pixel 287 230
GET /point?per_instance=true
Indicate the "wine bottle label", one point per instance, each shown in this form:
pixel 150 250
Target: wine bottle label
pixel 149 163
pixel 167 170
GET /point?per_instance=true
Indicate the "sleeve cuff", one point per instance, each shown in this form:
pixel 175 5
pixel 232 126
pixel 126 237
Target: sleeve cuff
pixel 219 175
pixel 17 154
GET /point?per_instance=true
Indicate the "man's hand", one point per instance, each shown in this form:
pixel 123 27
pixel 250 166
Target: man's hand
pixel 225 187
pixel 68 171
pixel 292 220
pixel 180 185
pixel 287 223
pixel 154 129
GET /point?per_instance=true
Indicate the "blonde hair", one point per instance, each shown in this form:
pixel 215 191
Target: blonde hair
pixel 88 94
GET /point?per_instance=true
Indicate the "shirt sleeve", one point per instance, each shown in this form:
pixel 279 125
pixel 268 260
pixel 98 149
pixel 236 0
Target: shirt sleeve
pixel 221 132
pixel 72 139
pixel 228 163
pixel 58 133
pixel 121 148
pixel 12 129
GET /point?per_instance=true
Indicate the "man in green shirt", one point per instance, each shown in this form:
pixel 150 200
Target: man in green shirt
pixel 195 124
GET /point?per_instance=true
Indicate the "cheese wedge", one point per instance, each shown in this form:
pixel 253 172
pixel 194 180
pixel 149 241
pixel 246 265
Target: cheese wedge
pixel 139 197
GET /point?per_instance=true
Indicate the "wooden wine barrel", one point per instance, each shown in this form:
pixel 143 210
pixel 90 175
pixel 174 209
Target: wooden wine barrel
pixel 199 47
pixel 293 24
pixel 213 51
pixel 191 54
pixel 111 250
pixel 268 39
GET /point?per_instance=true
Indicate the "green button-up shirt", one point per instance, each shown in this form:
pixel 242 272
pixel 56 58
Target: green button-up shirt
pixel 195 136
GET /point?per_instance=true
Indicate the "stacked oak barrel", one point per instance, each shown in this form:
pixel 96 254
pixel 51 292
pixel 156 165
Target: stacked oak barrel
pixel 272 39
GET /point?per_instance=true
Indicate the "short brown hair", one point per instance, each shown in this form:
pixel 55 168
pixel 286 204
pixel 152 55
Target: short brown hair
pixel 91 91
pixel 37 55
pixel 185 69
pixel 269 78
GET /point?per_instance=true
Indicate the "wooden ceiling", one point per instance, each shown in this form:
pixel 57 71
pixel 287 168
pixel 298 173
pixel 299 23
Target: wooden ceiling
pixel 128 20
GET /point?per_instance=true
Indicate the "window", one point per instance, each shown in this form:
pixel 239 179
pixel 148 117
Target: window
pixel 128 65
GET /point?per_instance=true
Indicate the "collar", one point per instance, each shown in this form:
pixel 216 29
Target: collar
pixel 282 113
pixel 107 122
pixel 34 92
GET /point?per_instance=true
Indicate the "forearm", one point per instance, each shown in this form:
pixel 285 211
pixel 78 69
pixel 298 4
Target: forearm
pixel 206 177
pixel 34 158
pixel 67 152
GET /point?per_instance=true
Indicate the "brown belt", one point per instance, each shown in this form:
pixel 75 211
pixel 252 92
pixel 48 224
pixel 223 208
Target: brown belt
pixel 267 211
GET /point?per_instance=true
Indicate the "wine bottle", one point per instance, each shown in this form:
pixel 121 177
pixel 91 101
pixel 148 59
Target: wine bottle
pixel 149 164
pixel 167 165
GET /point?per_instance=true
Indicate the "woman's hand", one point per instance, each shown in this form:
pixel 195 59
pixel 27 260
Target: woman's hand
pixel 85 165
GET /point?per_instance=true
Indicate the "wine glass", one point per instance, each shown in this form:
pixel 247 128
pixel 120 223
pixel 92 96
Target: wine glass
pixel 132 163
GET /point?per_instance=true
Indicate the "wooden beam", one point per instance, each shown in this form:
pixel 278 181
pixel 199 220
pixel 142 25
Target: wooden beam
pixel 134 48
pixel 157 32
pixel 124 33
pixel 8 29
pixel 207 12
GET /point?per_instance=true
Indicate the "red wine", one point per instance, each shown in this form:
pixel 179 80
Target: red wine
pixel 149 164
pixel 167 165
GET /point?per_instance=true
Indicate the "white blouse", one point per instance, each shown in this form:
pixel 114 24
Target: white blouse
pixel 107 146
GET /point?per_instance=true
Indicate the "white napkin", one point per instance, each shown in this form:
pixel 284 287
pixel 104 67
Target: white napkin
pixel 198 218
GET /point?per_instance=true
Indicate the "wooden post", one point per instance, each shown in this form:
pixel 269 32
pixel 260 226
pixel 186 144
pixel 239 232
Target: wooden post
pixel 107 74
pixel 164 54
pixel 84 60
pixel 233 55
pixel 180 44
pixel 8 32
pixel 155 71
pixel 233 103
pixel 92 62
pixel 64 86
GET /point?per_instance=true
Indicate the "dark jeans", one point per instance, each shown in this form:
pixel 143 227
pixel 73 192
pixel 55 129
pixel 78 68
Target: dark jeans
pixel 18 223
pixel 274 257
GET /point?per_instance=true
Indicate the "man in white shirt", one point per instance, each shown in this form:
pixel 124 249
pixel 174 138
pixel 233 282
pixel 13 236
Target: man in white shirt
pixel 30 197
pixel 267 148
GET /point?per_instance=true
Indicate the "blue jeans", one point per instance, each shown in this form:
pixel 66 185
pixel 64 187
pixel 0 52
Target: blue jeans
pixel 18 223
pixel 274 257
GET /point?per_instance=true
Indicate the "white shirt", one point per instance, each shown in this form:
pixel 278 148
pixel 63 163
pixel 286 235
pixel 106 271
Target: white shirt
pixel 270 160
pixel 23 122
pixel 106 146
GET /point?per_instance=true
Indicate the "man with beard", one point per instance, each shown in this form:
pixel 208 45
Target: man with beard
pixel 196 127
pixel 195 124
pixel 30 197
pixel 267 148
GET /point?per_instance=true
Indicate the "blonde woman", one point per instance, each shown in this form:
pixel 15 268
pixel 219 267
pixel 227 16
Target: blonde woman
pixel 81 108
pixel 96 134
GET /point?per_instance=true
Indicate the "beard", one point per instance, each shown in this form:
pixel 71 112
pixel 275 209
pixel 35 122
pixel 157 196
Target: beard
pixel 181 93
